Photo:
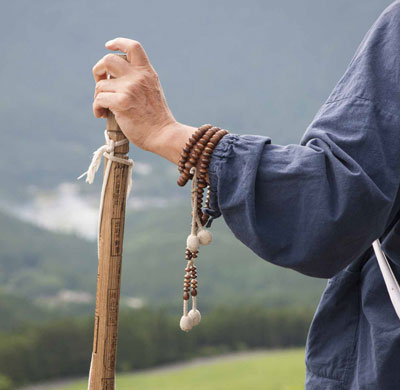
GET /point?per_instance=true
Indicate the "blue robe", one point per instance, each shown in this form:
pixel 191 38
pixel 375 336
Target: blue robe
pixel 317 207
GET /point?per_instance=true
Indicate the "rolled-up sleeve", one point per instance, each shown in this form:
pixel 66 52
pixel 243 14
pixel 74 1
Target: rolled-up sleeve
pixel 317 206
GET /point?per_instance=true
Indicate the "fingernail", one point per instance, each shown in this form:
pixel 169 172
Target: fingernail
pixel 109 42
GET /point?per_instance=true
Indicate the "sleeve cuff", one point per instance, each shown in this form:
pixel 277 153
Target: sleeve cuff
pixel 221 153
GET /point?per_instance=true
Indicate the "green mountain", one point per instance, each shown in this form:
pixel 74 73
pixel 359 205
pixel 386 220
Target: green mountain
pixel 35 264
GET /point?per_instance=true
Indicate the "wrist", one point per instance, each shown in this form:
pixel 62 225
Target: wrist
pixel 171 140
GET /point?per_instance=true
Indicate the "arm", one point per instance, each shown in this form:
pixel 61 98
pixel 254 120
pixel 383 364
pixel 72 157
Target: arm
pixel 313 207
pixel 317 206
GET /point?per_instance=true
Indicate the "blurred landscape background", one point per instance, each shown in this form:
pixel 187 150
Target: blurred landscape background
pixel 254 67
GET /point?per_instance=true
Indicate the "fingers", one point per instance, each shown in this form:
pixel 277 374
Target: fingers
pixel 133 49
pixel 110 64
pixel 109 85
pixel 107 101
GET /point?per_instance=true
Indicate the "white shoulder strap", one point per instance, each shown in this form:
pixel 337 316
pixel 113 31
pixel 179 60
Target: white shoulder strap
pixel 390 280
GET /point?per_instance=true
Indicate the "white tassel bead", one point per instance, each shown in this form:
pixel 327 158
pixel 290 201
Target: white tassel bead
pixel 192 242
pixel 195 316
pixel 204 236
pixel 186 323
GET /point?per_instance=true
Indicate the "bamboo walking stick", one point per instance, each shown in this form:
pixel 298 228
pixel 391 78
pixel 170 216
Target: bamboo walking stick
pixel 116 185
pixel 111 235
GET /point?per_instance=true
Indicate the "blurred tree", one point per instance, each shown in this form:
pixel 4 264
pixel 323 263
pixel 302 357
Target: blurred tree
pixel 5 383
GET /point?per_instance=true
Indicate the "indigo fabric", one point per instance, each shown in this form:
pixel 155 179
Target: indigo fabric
pixel 316 208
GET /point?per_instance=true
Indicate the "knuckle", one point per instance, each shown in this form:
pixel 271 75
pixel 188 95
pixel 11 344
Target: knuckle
pixel 141 78
pixel 135 45
pixel 95 108
pixel 133 83
pixel 99 85
pixel 96 102
pixel 154 76
pixel 109 59
pixel 123 102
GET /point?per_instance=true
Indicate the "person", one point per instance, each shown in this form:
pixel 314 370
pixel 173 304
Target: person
pixel 314 207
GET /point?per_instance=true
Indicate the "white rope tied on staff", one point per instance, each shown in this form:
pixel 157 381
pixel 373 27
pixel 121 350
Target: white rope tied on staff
pixel 107 151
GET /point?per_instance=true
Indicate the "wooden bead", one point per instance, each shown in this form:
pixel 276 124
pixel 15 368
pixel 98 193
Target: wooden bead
pixel 213 140
pixel 204 219
pixel 181 181
pixel 185 176
pixel 195 155
pixel 186 296
pixel 194 293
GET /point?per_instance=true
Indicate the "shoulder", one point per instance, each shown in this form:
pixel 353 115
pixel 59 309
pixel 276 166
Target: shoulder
pixel 390 15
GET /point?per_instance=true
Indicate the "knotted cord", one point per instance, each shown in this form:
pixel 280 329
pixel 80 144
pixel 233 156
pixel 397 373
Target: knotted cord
pixel 107 151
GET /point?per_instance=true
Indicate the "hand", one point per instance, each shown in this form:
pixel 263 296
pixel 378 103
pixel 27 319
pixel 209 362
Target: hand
pixel 135 96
